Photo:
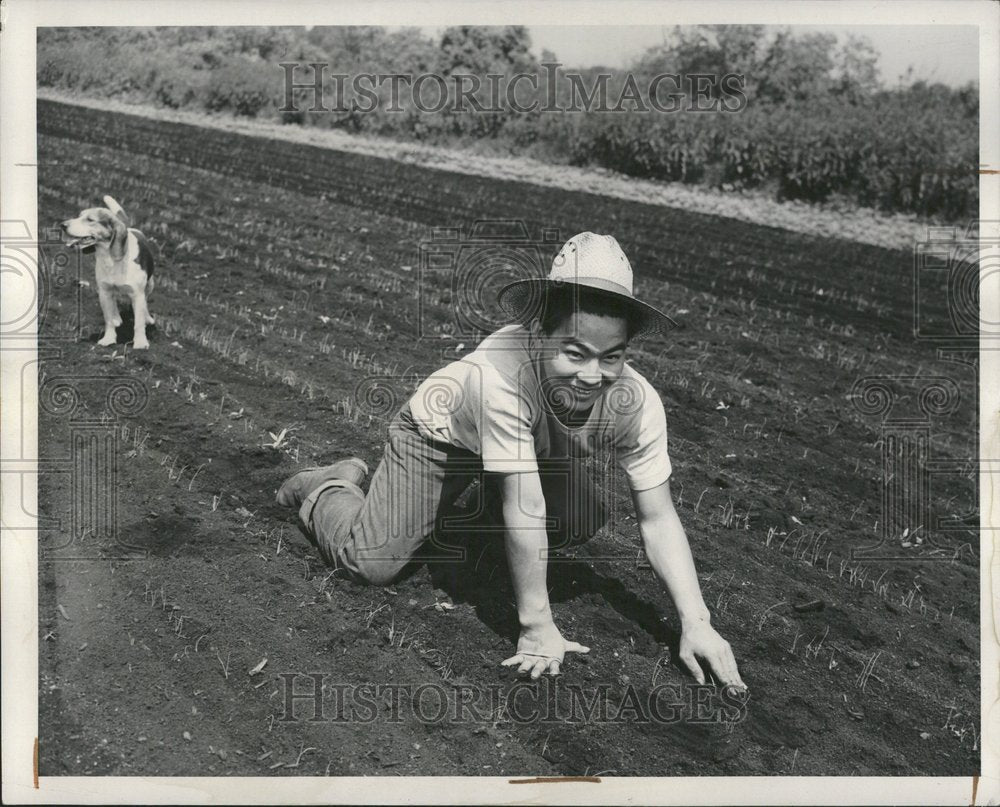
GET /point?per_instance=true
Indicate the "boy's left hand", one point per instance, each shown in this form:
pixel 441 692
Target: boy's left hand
pixel 700 640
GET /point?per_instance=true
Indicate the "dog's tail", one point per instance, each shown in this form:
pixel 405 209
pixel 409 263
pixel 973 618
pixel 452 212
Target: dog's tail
pixel 116 208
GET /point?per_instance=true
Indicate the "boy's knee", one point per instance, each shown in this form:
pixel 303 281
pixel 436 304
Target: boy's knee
pixel 376 571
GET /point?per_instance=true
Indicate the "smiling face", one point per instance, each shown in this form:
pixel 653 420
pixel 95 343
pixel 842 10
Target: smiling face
pixel 582 355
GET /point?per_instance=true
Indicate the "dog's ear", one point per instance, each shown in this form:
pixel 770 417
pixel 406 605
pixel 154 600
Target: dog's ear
pixel 116 208
pixel 119 238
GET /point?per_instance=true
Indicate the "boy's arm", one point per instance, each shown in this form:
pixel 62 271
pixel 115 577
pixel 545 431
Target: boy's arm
pixel 669 554
pixel 541 647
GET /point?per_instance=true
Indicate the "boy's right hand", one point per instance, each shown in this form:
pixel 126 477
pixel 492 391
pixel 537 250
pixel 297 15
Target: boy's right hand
pixel 541 649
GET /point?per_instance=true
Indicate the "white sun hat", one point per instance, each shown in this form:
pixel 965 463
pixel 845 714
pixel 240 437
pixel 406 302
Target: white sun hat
pixel 592 261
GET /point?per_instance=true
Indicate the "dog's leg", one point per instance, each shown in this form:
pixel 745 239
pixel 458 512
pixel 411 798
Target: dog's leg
pixel 149 291
pixel 111 319
pixel 141 313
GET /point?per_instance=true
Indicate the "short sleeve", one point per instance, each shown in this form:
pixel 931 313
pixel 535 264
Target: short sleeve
pixel 506 441
pixel 642 446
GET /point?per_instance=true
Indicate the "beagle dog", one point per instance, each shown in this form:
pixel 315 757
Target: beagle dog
pixel 124 264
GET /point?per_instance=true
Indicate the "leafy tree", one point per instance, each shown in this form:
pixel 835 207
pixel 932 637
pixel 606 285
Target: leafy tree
pixel 857 70
pixel 406 50
pixel 483 49
pixel 347 44
pixel 796 68
pixel 713 50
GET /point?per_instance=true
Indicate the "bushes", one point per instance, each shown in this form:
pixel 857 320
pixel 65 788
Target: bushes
pixel 886 154
pixel 912 149
pixel 243 87
pixel 174 87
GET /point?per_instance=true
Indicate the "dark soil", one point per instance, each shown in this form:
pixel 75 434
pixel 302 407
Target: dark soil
pixel 294 315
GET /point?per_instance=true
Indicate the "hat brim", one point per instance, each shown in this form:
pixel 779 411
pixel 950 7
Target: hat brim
pixel 524 300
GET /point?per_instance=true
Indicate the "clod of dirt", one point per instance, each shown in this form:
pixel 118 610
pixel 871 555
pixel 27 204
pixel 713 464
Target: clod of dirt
pixel 959 663
pixel 724 750
pixel 550 755
pixel 775 731
pixel 766 518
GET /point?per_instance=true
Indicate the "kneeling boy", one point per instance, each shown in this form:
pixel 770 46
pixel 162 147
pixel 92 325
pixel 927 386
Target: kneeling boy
pixel 521 412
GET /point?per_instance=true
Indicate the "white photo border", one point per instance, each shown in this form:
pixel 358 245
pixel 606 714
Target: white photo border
pixel 19 584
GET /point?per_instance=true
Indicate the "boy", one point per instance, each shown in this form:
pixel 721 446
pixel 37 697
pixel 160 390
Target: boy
pixel 521 412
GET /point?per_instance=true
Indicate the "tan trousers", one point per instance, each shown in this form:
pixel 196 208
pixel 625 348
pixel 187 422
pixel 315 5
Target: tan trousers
pixel 410 502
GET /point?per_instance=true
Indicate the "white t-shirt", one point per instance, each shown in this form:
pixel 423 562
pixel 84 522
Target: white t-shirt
pixel 490 403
